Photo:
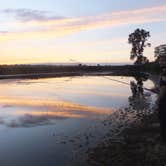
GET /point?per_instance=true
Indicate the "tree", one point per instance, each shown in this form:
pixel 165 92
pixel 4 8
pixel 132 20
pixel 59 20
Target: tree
pixel 138 40
pixel 159 51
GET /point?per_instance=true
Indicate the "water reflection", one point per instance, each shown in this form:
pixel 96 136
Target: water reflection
pixel 29 120
pixel 139 100
pixel 48 121
pixel 24 104
pixel 42 112
pixel 137 87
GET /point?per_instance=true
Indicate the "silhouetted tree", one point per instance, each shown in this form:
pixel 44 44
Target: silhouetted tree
pixel 139 100
pixel 159 51
pixel 138 39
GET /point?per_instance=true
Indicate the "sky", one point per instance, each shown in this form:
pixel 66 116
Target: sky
pixel 53 31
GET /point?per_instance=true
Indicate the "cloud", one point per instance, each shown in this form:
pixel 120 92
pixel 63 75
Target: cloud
pixel 3 32
pixel 139 16
pixel 26 15
pixel 40 25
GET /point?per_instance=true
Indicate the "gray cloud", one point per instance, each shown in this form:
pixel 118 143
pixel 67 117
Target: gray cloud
pixel 3 32
pixel 26 15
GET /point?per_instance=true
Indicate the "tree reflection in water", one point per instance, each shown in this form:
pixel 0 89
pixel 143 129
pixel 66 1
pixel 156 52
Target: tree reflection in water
pixel 139 100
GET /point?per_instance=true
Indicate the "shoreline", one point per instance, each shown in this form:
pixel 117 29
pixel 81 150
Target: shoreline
pixel 47 71
pixel 72 74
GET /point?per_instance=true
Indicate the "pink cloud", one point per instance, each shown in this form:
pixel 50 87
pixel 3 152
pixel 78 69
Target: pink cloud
pixel 64 26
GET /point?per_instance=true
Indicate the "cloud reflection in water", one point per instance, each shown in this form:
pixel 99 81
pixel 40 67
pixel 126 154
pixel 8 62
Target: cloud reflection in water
pixel 42 112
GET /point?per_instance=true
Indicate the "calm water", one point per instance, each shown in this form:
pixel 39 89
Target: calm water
pixel 48 121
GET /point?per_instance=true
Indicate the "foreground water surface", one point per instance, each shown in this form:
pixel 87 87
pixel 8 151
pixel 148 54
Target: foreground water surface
pixel 54 121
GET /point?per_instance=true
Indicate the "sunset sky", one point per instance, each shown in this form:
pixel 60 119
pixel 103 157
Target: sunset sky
pixel 53 31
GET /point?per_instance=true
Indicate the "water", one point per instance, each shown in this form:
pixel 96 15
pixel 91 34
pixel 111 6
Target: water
pixel 52 121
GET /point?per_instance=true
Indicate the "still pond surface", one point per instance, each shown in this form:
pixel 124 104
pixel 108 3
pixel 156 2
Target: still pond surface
pixel 54 121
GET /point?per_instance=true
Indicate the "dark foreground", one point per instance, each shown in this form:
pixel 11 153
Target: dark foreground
pixel 140 144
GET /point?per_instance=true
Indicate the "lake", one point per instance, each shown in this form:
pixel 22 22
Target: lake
pixel 54 121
